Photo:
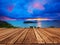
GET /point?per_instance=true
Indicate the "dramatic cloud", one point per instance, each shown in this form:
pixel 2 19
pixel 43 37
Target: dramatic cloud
pixel 30 9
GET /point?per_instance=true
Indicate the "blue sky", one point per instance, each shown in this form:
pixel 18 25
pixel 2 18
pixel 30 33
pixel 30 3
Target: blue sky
pixel 30 9
pixel 14 10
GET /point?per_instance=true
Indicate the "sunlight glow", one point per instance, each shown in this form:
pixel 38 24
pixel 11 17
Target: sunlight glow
pixel 40 19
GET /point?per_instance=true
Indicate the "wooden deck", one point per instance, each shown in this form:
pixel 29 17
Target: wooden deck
pixel 34 36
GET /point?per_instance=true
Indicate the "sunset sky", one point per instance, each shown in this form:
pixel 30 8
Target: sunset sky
pixel 17 10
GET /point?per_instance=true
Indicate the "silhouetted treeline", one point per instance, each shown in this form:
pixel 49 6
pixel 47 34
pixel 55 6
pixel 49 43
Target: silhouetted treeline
pixel 4 24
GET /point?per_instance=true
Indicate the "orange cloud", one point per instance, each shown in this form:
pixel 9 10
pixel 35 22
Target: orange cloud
pixel 39 19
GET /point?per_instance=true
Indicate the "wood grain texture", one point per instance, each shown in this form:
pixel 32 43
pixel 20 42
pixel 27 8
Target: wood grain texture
pixel 29 36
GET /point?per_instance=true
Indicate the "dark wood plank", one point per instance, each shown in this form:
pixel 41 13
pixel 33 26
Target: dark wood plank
pixel 30 37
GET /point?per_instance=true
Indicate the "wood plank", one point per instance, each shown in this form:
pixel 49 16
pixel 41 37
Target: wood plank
pixel 44 37
pixel 10 37
pixel 17 37
pixel 48 35
pixel 22 37
pixel 30 37
pixel 55 38
pixel 39 38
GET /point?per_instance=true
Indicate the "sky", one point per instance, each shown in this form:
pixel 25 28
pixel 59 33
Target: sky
pixel 30 9
pixel 24 9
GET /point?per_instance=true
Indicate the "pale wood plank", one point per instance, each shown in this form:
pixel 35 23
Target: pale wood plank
pixel 39 38
pixel 44 37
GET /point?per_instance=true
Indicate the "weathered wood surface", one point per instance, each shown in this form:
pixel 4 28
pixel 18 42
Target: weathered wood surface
pixel 34 36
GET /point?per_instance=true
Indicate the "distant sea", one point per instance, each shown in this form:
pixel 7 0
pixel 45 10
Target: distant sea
pixel 43 24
